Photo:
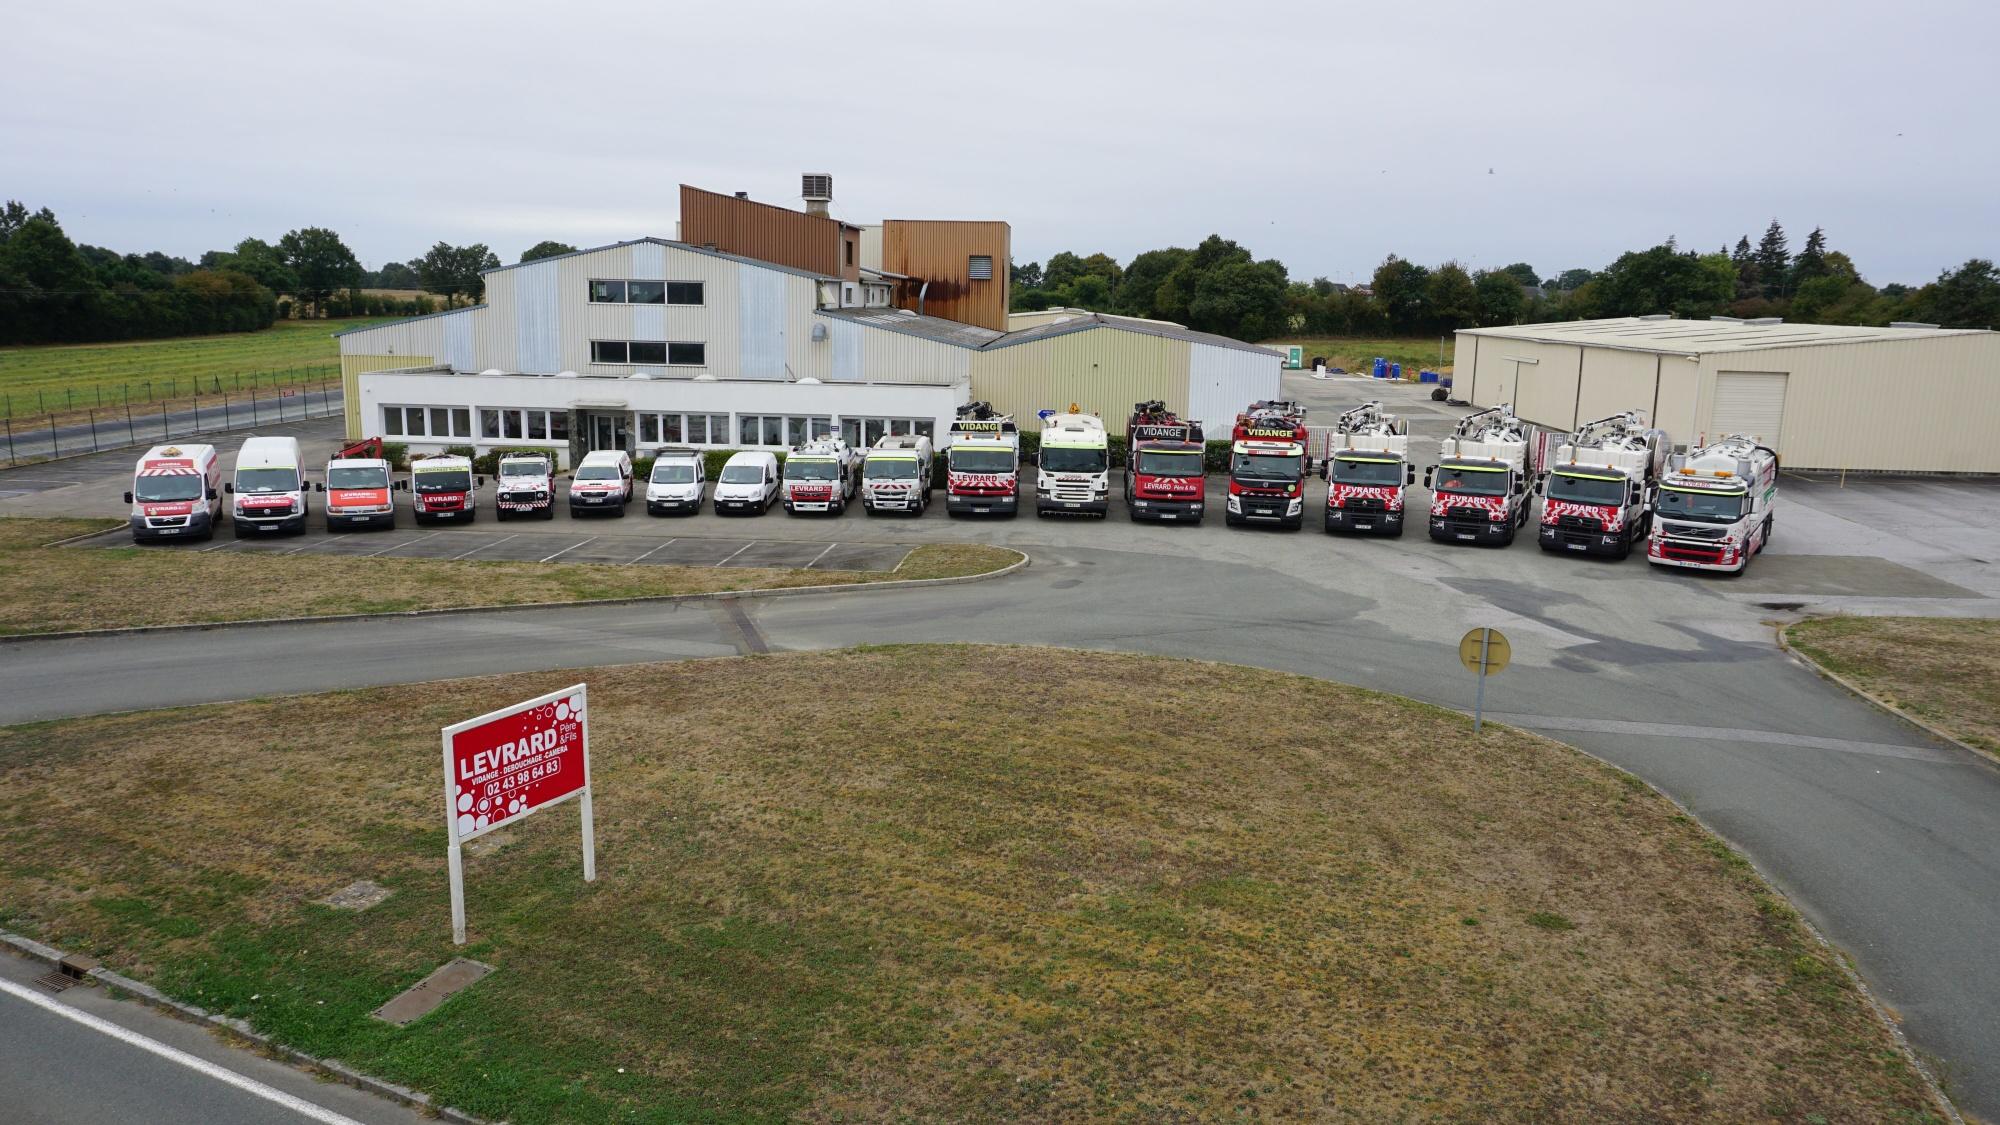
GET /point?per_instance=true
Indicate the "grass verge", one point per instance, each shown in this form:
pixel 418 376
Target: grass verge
pixel 1944 670
pixel 53 589
pixel 1357 354
pixel 962 884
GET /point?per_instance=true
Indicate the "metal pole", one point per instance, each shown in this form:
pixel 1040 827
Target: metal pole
pixel 130 434
pixel 226 423
pixel 1479 698
pixel 55 445
pixel 10 438
pixel 456 866
pixel 93 431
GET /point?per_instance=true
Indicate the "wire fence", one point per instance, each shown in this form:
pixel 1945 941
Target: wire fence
pixel 150 393
pixel 173 408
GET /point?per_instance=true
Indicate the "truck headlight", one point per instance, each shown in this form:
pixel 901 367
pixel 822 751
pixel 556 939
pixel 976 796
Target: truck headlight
pixel 1297 506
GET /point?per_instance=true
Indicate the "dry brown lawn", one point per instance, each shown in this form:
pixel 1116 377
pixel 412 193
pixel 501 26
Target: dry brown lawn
pixel 45 589
pixel 958 884
pixel 1945 670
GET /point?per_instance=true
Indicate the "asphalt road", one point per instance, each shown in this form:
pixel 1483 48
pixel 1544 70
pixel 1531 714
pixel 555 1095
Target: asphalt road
pixel 1887 841
pixel 82 1058
pixel 119 428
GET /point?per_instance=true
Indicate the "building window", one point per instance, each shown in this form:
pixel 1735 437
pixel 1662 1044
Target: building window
pixel 427 421
pixel 508 423
pixel 609 351
pixel 622 292
pixel 688 429
pixel 687 354
pixel 850 251
pixel 980 267
pixel 648 351
pixel 867 431
pixel 672 353
pixel 760 429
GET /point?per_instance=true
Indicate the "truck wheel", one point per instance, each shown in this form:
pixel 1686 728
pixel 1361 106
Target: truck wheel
pixel 1396 534
pixel 237 528
pixel 1232 519
pixel 1508 539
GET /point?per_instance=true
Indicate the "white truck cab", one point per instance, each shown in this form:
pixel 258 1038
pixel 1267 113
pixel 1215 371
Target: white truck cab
pixel 748 483
pixel 524 485
pixel 821 476
pixel 176 493
pixel 1073 469
pixel 269 487
pixel 602 483
pixel 676 481
pixel 443 488
pixel 896 475
pixel 360 492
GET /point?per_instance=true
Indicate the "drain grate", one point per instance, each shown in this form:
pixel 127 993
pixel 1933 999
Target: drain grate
pixel 1783 607
pixel 55 980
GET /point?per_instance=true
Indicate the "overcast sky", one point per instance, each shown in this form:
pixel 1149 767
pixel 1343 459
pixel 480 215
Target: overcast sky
pixel 1323 134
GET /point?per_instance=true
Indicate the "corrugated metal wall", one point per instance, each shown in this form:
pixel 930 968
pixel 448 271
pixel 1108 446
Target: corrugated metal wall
pixel 765 232
pixel 1614 382
pixel 536 310
pixel 1222 381
pixel 845 338
pixel 351 367
pixel 939 251
pixel 1102 370
pixel 760 324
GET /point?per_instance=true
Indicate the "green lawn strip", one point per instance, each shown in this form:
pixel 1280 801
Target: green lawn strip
pixel 1356 354
pixel 1943 670
pixel 889 904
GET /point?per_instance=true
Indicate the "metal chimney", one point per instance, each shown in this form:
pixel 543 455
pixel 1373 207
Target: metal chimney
pixel 817 188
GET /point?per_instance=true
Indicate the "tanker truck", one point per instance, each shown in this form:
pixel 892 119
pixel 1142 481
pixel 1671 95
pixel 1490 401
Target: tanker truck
pixel 1597 493
pixel 1715 506
pixel 1479 487
pixel 1367 471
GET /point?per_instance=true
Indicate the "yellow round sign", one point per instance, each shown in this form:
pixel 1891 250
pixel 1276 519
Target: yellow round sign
pixel 1484 648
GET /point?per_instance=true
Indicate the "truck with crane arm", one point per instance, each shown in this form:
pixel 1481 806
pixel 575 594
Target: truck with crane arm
pixel 1479 487
pixel 1267 465
pixel 1715 506
pixel 1367 470
pixel 983 463
pixel 1165 465
pixel 821 475
pixel 1597 491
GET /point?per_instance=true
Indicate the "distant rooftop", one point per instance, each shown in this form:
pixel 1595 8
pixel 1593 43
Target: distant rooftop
pixel 1696 337
pixel 909 323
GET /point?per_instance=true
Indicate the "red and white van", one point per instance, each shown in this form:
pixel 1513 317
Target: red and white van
pixel 360 493
pixel 176 493
pixel 444 489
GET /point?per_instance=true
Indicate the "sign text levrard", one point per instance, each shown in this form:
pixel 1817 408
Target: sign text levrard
pixel 514 761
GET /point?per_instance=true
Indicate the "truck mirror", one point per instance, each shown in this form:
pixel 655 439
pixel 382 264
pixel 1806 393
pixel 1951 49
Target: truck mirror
pixel 211 494
pixel 1322 468
pixel 128 498
pixel 1409 474
pixel 319 486
pixel 229 488
pixel 479 482
pixel 1430 474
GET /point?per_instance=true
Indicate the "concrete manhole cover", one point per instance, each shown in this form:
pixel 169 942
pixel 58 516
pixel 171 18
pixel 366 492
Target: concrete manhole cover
pixel 358 896
pixel 423 997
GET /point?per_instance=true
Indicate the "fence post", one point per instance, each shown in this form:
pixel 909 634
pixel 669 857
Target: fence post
pixel 55 445
pixel 226 423
pixel 131 435
pixel 93 431
pixel 11 459
pixel 164 435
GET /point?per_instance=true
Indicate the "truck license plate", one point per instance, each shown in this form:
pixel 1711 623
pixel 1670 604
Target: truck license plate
pixel 170 531
pixel 1068 504
pixel 267 527
pixel 1465 535
pixel 1168 516
pixel 981 511
pixel 1363 526
pixel 1575 546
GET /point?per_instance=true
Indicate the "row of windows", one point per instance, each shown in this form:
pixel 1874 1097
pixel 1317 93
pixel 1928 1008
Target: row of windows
pixel 646 292
pixel 510 423
pixel 669 353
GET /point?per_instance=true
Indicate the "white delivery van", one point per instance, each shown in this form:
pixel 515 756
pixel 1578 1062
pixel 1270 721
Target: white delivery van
pixel 602 483
pixel 176 493
pixel 675 484
pixel 269 487
pixel 748 483
pixel 359 493
pixel 524 484
pixel 443 488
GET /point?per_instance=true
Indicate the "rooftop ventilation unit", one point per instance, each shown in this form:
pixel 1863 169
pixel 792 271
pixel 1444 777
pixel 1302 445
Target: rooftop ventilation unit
pixel 1657 316
pixel 1765 321
pixel 1727 319
pixel 817 190
pixel 1912 324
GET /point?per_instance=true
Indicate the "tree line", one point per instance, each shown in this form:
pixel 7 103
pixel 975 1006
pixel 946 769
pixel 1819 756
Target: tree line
pixel 1221 287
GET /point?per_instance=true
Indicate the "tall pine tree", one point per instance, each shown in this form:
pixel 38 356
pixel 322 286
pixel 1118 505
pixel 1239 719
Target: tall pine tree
pixel 1745 261
pixel 1811 261
pixel 1773 260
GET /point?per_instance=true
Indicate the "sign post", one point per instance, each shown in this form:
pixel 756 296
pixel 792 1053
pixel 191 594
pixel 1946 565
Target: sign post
pixel 1485 652
pixel 507 764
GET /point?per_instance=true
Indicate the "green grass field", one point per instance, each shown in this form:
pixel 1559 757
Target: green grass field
pixel 1357 353
pixel 60 378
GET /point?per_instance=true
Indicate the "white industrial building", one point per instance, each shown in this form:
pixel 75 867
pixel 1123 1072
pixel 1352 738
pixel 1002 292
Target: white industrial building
pixel 1909 398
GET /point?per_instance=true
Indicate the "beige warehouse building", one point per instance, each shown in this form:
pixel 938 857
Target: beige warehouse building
pixel 1900 399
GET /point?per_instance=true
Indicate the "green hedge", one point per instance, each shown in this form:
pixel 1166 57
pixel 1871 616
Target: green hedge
pixel 489 463
pixel 397 454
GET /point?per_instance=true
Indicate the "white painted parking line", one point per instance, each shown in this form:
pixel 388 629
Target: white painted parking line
pixel 821 555
pixel 223 546
pixel 739 551
pixel 661 547
pixel 483 546
pixel 404 543
pixel 179 1057
pixel 568 549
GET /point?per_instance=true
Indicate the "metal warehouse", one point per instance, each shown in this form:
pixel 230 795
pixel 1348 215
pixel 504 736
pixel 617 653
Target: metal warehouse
pixel 1909 398
pixel 699 342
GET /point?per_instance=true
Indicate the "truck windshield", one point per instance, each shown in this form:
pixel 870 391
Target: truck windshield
pixel 1071 460
pixel 1586 490
pixel 811 470
pixel 444 480
pixel 981 460
pixel 157 489
pixel 889 468
pixel 524 468
pixel 1267 466
pixel 1471 482
pixel 599 472
pixel 673 474
pixel 742 474
pixel 358 476
pixel 1164 463
pixel 1702 507
pixel 1367 472
pixel 267 480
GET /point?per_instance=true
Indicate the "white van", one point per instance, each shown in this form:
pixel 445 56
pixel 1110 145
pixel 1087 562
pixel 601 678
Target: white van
pixel 748 483
pixel 176 493
pixel 602 483
pixel 896 475
pixel 360 492
pixel 269 486
pixel 676 480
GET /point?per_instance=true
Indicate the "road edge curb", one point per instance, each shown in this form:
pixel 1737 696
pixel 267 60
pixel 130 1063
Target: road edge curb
pixel 643 599
pixel 1986 756
pixel 153 998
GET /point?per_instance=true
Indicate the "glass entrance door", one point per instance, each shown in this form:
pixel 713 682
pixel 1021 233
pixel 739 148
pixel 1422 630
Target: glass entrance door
pixel 610 431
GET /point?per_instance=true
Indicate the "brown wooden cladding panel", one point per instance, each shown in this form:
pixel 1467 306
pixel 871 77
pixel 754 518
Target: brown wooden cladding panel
pixel 767 233
pixel 939 251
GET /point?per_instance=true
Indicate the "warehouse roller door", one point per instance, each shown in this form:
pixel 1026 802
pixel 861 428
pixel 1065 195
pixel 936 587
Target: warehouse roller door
pixel 1750 402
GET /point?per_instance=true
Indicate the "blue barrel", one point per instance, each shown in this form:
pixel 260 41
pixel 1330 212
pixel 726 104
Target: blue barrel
pixel 1427 376
pixel 1396 371
pixel 1381 368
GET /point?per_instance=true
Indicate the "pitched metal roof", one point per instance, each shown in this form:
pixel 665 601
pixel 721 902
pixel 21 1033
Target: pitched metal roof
pixel 408 320
pixel 1668 336
pixel 910 324
pixel 1086 322
pixel 688 246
